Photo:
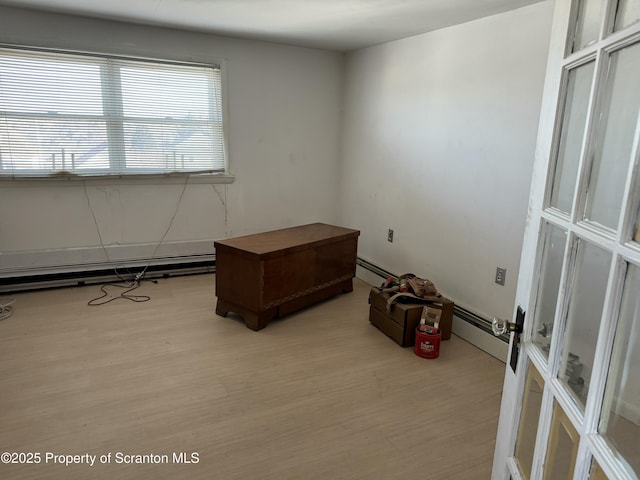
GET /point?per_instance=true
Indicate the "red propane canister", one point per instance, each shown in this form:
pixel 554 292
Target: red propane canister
pixel 427 343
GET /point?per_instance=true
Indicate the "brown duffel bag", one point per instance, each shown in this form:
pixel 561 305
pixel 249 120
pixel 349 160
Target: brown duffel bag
pixel 418 290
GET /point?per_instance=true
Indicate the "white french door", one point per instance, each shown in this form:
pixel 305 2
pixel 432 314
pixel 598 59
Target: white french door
pixel 571 404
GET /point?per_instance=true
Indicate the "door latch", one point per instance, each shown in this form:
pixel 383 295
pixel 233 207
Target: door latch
pixel 500 327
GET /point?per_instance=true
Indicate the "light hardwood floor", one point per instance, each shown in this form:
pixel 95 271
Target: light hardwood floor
pixel 320 394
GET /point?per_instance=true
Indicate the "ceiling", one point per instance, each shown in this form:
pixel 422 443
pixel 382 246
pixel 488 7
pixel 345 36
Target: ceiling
pixel 329 24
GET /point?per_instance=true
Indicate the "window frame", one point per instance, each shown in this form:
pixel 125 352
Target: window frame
pixel 135 175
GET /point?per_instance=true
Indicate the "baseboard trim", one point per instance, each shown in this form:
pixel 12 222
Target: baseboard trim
pixel 69 279
pixel 63 268
pixel 82 259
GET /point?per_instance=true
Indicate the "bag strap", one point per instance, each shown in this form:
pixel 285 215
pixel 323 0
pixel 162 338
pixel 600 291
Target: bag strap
pixel 395 297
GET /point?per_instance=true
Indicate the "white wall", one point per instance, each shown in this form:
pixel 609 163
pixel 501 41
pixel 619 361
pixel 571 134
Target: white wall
pixel 284 106
pixel 439 137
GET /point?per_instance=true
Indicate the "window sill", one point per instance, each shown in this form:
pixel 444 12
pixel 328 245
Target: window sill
pixel 137 179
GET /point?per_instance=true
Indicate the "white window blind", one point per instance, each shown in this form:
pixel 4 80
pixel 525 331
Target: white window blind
pixel 93 115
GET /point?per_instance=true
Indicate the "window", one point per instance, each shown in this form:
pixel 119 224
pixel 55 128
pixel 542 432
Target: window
pixel 102 115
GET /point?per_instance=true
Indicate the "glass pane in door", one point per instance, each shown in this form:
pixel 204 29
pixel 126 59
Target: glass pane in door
pixel 570 144
pixel 583 319
pixel 548 286
pixel 562 448
pixel 588 23
pixel 596 472
pixel 627 14
pixel 615 138
pixel 528 426
pixel 635 234
pixel 635 228
pixel 620 421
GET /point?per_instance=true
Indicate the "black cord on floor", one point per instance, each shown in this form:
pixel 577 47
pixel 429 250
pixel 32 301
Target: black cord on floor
pixel 129 287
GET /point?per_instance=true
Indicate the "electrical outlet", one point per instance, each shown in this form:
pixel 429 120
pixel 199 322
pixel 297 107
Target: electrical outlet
pixel 390 236
pixel 501 275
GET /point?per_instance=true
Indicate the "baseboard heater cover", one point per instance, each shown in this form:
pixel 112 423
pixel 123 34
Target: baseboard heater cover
pixel 473 318
pixel 478 321
pixel 65 279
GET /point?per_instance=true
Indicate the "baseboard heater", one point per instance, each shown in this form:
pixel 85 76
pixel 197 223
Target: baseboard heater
pixel 75 278
pixel 477 321
pixel 66 279
pixel 462 313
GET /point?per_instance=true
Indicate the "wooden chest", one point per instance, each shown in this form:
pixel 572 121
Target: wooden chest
pixel 270 274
